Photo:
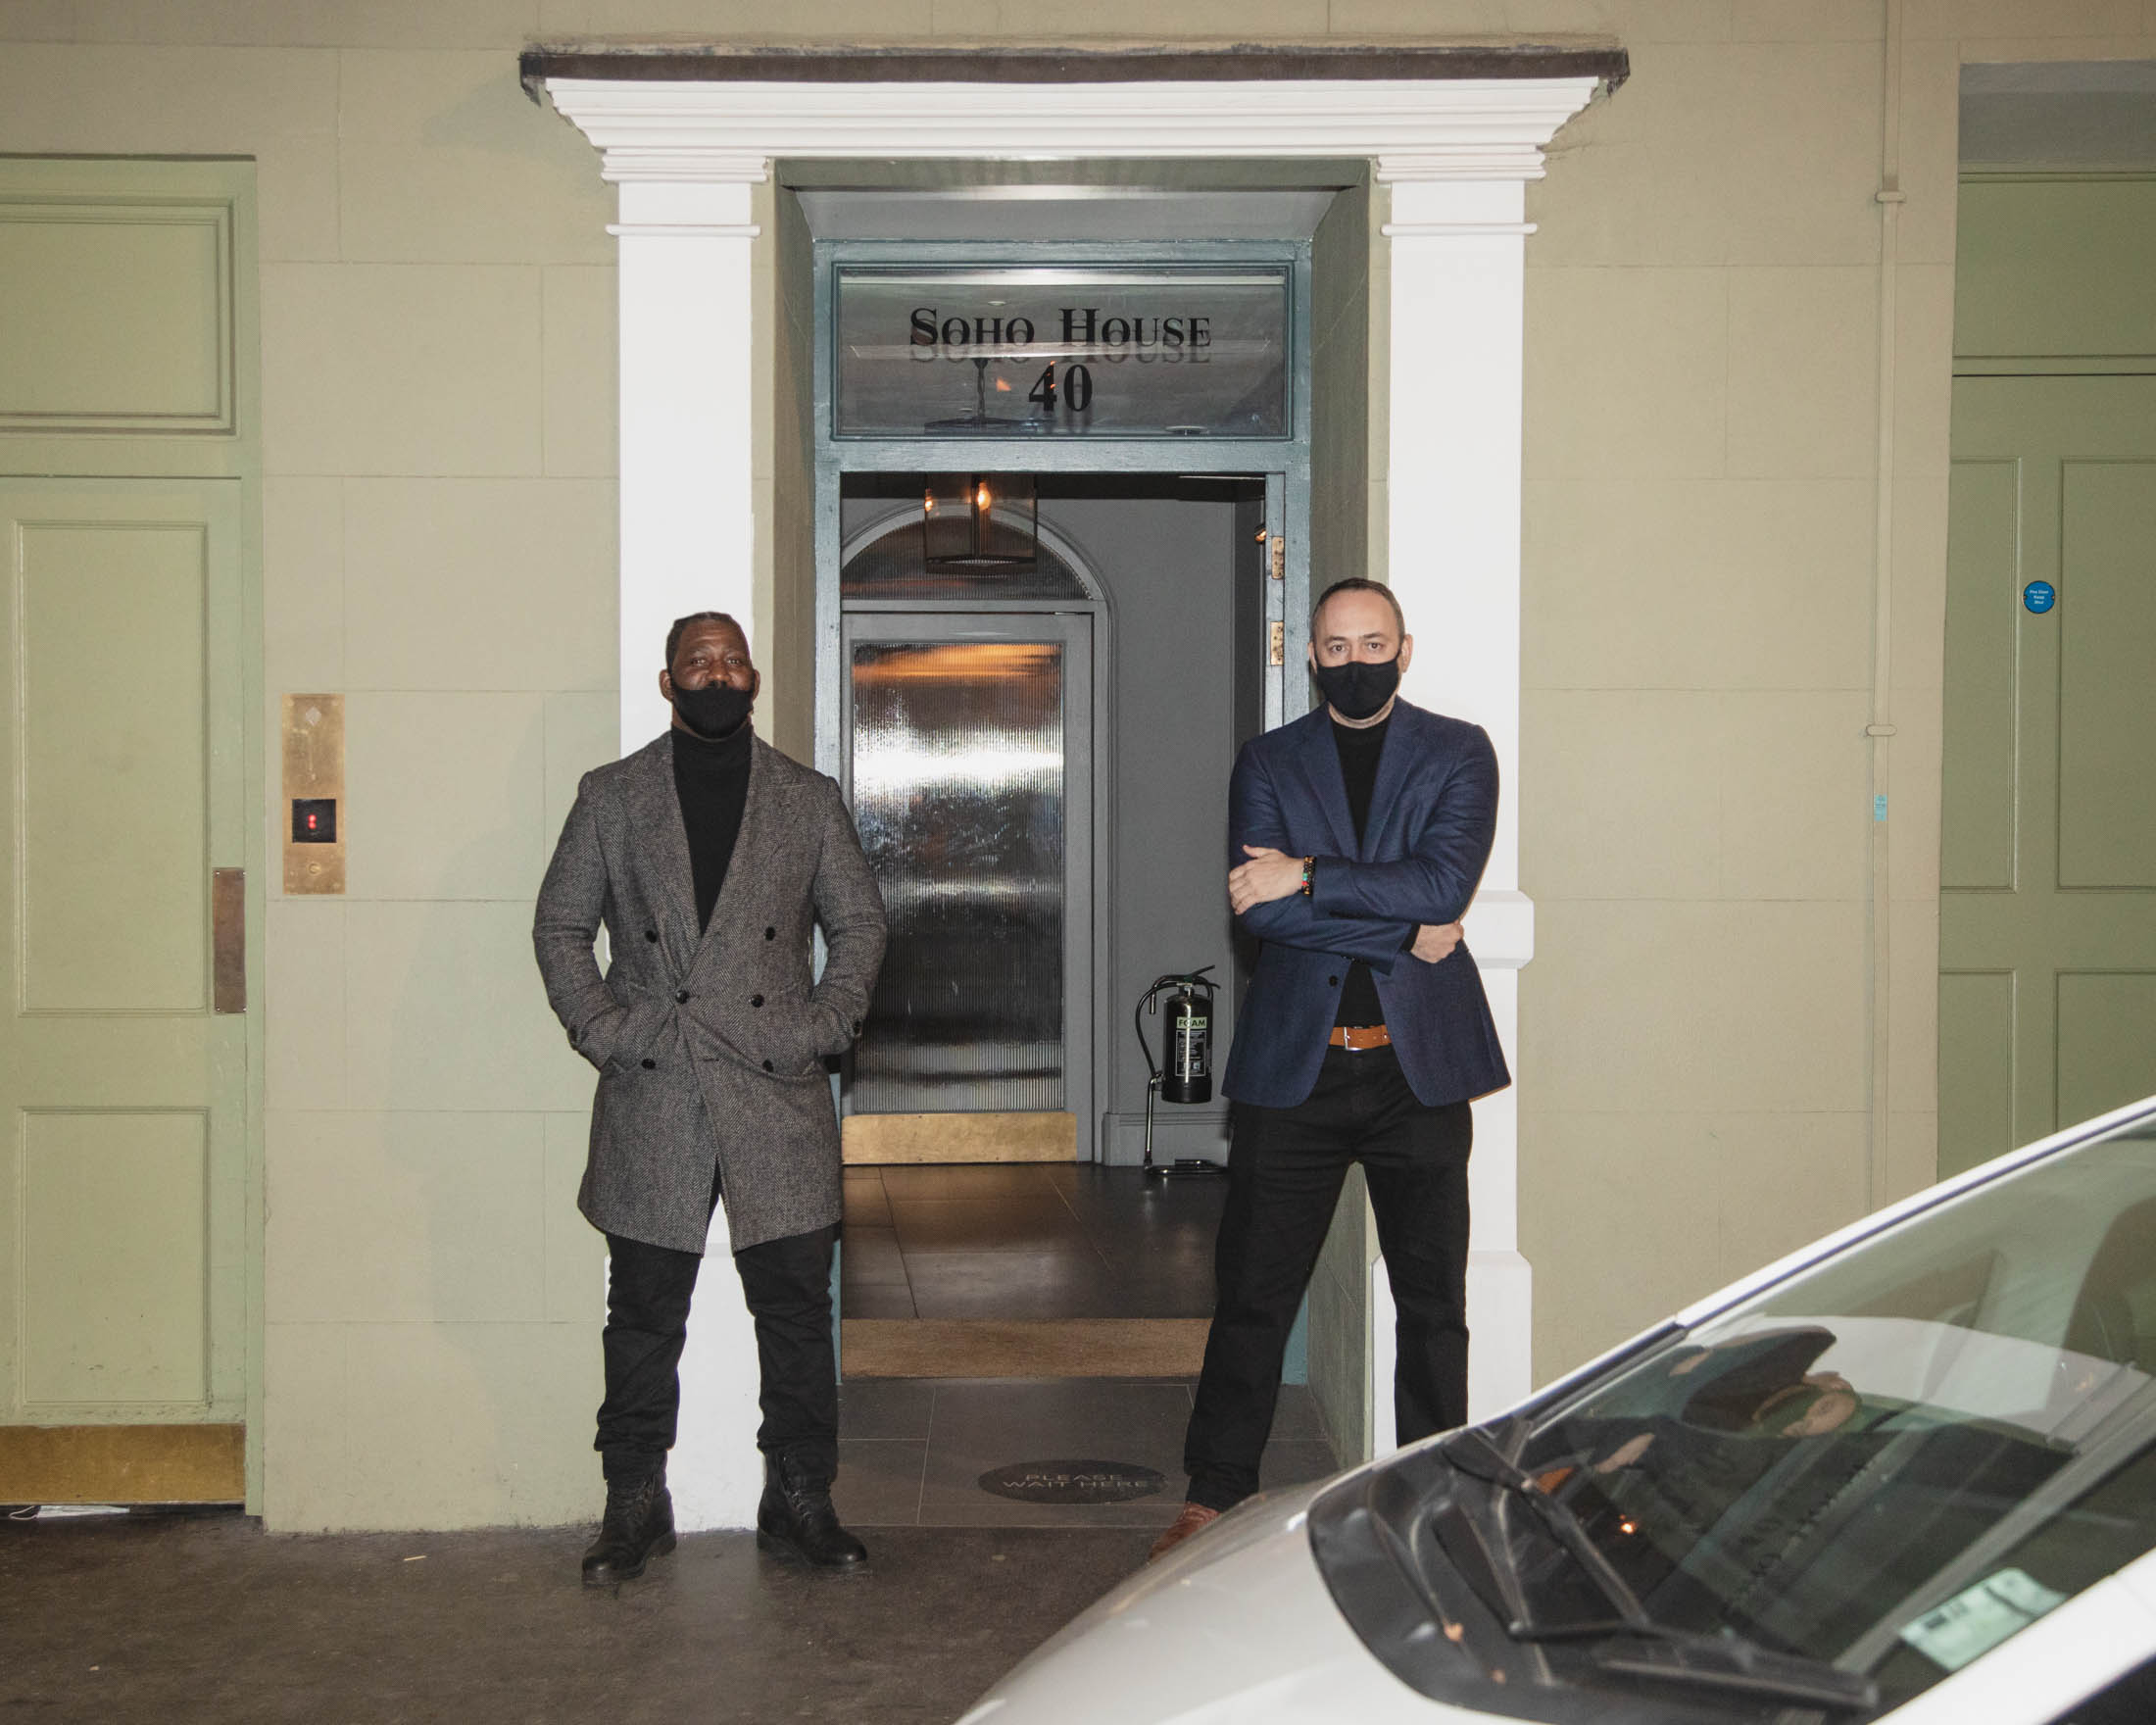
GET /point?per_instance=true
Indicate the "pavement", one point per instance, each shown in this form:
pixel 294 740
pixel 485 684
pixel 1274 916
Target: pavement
pixel 205 1617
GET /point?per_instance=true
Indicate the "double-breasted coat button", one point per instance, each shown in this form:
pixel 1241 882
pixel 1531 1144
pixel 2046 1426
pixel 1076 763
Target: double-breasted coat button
pixel 648 1065
pixel 651 934
pixel 770 934
pixel 682 995
pixel 767 1065
pixel 857 1026
pixel 1332 983
pixel 755 1000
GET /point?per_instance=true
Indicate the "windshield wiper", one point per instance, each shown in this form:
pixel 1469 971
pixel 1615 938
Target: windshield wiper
pixel 1497 1469
pixel 1727 1660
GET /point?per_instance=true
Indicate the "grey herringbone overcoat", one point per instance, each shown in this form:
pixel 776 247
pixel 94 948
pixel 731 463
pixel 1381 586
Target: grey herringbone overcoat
pixel 710 1047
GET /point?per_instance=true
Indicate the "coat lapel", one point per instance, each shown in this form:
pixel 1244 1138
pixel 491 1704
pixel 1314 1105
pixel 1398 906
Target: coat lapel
pixel 662 842
pixel 747 843
pixel 1319 762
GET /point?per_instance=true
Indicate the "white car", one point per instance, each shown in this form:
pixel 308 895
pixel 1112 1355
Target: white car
pixel 1906 1474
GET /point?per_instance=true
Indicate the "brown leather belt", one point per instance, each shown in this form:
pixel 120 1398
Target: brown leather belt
pixel 1360 1038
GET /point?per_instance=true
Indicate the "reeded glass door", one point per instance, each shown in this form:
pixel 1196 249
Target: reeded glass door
pixel 966 765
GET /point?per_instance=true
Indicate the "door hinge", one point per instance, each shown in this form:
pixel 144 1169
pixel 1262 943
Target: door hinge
pixel 1280 557
pixel 1279 651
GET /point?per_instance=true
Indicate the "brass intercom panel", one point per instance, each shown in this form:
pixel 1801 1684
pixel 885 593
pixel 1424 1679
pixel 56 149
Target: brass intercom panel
pixel 313 793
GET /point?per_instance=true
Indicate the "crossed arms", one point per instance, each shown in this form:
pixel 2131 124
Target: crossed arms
pixel 1369 910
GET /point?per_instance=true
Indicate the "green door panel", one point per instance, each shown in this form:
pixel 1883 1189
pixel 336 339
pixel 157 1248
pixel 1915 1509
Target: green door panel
pixel 121 730
pixel 2047 915
pixel 1975 1077
pixel 2107 719
pixel 1977 810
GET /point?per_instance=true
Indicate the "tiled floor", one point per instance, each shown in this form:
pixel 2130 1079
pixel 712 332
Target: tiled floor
pixel 911 1450
pixel 1013 1241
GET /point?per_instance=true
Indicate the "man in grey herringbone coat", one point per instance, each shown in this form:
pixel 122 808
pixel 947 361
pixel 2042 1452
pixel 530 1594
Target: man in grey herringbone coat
pixel 708 858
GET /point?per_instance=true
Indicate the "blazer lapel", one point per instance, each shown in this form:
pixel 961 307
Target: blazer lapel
pixel 1319 762
pixel 1396 762
pixel 661 841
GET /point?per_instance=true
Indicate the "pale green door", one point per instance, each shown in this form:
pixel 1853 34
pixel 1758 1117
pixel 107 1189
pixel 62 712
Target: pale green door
pixel 123 1086
pixel 2047 916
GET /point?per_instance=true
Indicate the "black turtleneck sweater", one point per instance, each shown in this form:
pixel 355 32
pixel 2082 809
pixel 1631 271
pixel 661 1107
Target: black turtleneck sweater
pixel 711 779
pixel 1358 765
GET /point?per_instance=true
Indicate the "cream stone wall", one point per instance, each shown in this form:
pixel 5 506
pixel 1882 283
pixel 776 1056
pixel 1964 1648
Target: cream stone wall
pixel 1729 1033
pixel 1723 1052
pixel 439 520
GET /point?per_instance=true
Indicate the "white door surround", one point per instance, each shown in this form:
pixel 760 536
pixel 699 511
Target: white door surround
pixel 1456 152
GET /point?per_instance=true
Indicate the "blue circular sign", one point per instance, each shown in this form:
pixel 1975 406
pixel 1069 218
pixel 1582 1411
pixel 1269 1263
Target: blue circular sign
pixel 2040 596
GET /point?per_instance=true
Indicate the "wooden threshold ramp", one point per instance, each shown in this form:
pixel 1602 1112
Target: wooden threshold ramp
pixel 1053 1348
pixel 872 1139
pixel 123 1464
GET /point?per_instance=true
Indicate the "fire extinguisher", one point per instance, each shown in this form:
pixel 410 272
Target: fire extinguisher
pixel 1186 1075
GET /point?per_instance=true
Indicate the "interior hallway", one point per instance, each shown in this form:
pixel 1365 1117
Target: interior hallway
pixel 1027 1240
pixel 1017 1269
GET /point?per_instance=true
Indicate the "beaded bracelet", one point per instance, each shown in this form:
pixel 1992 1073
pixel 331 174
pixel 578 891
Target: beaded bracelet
pixel 1310 868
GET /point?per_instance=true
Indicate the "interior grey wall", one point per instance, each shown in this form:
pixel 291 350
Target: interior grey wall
pixel 1168 565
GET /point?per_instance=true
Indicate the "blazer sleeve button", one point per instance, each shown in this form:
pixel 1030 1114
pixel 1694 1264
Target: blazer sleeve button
pixel 755 1000
pixel 1332 983
pixel 650 1065
pixel 770 934
pixel 767 1066
pixel 682 995
pixel 651 934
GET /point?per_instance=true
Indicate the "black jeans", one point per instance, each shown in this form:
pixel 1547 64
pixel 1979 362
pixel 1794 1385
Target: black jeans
pixel 1285 1170
pixel 787 1284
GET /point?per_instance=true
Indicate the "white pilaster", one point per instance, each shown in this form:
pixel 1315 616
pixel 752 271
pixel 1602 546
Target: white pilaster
pixel 688 543
pixel 687 523
pixel 1458 238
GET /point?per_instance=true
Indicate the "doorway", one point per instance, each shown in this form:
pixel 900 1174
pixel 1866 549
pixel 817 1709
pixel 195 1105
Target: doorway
pixel 2047 923
pixel 1062 561
pixel 130 1049
pixel 1038 759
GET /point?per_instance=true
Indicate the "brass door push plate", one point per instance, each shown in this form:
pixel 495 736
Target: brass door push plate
pixel 228 940
pixel 314 794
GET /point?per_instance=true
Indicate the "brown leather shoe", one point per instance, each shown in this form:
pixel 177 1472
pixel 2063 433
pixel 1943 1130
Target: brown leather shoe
pixel 1196 1518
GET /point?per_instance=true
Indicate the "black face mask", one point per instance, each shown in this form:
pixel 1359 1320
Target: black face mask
pixel 715 711
pixel 1357 689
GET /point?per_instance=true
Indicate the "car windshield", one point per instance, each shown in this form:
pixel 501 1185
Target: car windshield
pixel 1889 1463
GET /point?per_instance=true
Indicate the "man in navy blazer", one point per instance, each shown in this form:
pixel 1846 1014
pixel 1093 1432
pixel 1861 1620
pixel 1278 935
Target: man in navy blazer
pixel 1357 837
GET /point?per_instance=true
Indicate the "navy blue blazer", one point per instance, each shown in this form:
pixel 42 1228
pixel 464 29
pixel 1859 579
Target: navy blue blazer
pixel 1431 817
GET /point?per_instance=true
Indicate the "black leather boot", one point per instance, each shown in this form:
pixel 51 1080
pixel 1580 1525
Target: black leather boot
pixel 795 1517
pixel 639 1524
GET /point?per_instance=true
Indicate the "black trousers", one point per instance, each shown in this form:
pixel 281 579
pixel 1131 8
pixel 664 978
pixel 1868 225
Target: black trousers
pixel 1285 1170
pixel 787 1284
